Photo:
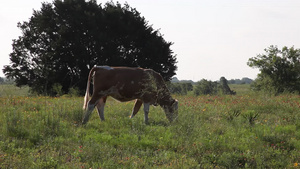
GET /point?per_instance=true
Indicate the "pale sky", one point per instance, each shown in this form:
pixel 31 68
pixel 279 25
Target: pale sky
pixel 212 38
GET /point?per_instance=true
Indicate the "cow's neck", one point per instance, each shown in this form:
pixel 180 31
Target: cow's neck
pixel 164 98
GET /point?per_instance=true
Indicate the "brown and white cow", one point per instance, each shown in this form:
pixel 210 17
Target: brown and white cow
pixel 126 84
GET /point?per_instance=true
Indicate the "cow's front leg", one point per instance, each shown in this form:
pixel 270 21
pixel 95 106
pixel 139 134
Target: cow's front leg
pixel 136 108
pixel 100 107
pixel 146 111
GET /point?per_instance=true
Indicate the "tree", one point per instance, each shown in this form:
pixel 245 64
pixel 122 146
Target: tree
pixel 63 40
pixel 205 87
pixel 180 88
pixel 279 70
pixel 225 89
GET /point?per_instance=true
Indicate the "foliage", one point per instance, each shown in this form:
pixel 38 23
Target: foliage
pixel 223 86
pixel 57 89
pixel 1 80
pixel 4 80
pixel 205 87
pixel 73 92
pixel 175 80
pixel 211 132
pixel 251 116
pixel 263 83
pixel 279 70
pixel 244 80
pixel 63 40
pixel 180 88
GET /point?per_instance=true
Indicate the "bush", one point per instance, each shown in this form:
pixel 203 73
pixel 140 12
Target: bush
pixel 57 89
pixel 73 92
pixel 205 87
pixel 279 70
pixel 180 88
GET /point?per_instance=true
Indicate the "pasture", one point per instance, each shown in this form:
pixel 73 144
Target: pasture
pixel 248 130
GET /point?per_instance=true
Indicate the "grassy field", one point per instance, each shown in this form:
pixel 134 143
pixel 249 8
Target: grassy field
pixel 11 90
pixel 244 131
pixel 240 89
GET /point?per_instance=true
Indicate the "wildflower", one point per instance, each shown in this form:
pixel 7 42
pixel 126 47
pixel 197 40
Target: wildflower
pixel 80 148
pixel 295 164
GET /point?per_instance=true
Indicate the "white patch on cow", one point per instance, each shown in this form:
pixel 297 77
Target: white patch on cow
pixel 105 67
pixel 132 82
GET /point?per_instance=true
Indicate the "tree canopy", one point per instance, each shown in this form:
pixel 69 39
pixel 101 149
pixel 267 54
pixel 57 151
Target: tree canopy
pixel 63 40
pixel 279 70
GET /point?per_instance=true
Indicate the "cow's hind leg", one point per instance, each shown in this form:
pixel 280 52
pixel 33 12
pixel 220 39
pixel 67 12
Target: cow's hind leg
pixel 100 107
pixel 146 111
pixel 136 108
pixel 91 105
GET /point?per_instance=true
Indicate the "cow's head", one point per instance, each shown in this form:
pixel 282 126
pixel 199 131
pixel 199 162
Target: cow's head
pixel 171 110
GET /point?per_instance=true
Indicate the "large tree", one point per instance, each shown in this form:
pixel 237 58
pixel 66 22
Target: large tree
pixel 64 39
pixel 279 70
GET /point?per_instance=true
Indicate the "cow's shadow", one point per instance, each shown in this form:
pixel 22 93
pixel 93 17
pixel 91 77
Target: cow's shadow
pixel 158 123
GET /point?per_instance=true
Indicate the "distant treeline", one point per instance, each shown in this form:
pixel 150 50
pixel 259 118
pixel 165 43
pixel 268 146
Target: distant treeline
pixel 244 80
pixel 204 87
pixel 182 87
pixel 6 81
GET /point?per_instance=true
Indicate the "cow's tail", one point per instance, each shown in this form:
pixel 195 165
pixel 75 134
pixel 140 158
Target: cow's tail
pixel 87 92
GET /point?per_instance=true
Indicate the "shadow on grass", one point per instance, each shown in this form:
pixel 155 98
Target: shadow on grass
pixel 158 123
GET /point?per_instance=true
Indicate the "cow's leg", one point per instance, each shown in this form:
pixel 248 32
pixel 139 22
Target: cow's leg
pixel 146 111
pixel 91 105
pixel 136 108
pixel 100 107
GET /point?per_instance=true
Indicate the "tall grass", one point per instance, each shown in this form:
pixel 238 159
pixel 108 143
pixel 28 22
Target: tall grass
pixel 11 90
pixel 244 131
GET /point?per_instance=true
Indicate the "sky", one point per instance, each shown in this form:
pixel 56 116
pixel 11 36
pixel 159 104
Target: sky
pixel 212 38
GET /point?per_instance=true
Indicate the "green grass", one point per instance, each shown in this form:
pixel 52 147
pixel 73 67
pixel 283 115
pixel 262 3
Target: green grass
pixel 243 131
pixel 240 89
pixel 11 90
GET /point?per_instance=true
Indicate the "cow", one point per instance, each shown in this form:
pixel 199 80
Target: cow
pixel 145 86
